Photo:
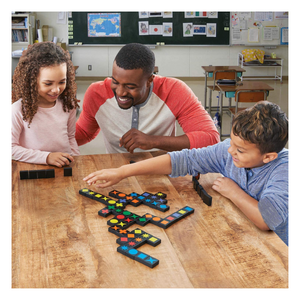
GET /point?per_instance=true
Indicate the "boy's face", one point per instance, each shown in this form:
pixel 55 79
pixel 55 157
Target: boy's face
pixel 131 87
pixel 244 153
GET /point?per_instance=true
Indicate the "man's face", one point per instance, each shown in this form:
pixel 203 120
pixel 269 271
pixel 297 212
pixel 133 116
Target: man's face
pixel 131 87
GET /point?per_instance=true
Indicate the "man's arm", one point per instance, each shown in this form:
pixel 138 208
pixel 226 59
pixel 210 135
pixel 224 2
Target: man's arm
pixel 199 129
pixel 192 117
pixel 87 127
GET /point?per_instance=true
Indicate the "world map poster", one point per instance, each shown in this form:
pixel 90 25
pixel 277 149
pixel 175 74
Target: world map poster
pixel 104 25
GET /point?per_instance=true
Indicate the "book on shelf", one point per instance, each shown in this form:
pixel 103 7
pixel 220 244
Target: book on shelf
pixel 19 35
pixel 19 23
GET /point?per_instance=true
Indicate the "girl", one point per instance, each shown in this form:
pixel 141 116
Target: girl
pixel 44 106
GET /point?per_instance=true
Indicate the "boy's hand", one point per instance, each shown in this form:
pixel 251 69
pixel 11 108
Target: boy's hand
pixel 59 159
pixel 226 187
pixel 107 176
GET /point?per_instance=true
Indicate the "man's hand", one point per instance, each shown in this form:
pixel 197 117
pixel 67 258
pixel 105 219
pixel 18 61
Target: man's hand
pixel 59 159
pixel 136 139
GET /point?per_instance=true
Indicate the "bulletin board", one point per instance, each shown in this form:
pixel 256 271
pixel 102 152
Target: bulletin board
pixel 150 28
pixel 259 28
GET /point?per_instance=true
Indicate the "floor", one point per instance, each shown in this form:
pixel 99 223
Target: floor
pixel 278 96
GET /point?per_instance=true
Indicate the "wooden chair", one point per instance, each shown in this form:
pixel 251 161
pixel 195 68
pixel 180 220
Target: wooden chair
pixel 247 96
pixel 220 74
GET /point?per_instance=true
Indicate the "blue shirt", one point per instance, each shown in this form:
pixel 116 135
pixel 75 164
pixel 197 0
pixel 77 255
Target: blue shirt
pixel 267 184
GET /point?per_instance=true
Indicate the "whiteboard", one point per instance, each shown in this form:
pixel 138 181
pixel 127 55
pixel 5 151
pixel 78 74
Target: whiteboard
pixel 258 28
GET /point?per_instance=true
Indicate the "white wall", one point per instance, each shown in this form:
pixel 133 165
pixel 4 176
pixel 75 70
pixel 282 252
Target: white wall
pixel 176 61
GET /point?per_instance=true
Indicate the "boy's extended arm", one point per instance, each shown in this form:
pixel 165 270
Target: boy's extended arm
pixel 160 165
pixel 248 205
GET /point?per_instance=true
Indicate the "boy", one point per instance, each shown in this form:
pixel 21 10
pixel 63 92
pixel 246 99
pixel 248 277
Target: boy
pixel 254 164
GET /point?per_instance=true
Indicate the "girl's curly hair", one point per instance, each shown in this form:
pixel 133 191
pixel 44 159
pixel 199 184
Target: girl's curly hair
pixel 25 85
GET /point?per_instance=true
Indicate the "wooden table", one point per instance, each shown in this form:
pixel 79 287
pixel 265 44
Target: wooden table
pixel 241 86
pixel 60 241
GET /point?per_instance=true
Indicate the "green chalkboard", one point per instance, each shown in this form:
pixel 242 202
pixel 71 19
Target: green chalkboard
pixel 130 31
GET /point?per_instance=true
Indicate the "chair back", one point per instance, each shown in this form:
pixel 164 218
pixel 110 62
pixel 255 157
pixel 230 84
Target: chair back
pixel 228 74
pixel 250 96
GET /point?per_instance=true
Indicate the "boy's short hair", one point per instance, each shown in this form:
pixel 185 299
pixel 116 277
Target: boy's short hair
pixel 136 56
pixel 264 124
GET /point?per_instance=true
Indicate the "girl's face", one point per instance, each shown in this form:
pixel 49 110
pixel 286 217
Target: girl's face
pixel 51 83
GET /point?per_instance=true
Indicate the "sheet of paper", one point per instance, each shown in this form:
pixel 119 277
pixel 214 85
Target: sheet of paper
pixel 199 29
pixel 236 34
pixel 187 29
pixel 263 16
pixel 253 35
pixel 143 28
pixel 267 36
pixel 155 29
pixel 285 35
pixel 211 29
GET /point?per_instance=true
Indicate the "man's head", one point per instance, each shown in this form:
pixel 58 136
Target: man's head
pixel 258 134
pixel 132 74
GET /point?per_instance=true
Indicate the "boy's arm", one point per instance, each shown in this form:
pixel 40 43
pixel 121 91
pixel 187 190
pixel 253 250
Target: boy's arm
pixel 248 205
pixel 160 165
pixel 178 163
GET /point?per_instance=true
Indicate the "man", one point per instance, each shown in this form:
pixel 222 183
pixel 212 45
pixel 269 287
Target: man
pixel 138 110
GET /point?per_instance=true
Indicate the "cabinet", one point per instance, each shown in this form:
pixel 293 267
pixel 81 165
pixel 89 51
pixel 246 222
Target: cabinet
pixel 22 30
pixel 275 63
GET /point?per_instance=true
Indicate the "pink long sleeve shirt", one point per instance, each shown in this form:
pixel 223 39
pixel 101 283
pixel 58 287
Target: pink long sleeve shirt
pixel 51 130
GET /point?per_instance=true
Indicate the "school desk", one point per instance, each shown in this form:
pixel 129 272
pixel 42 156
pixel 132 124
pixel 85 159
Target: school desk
pixel 60 241
pixel 229 91
pixel 215 73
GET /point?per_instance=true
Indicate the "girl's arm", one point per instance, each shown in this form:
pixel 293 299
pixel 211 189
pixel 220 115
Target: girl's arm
pixel 35 156
pixel 71 133
pixel 160 165
pixel 18 152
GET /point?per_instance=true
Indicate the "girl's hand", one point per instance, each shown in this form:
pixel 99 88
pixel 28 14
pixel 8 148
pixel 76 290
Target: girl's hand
pixel 59 159
pixel 107 177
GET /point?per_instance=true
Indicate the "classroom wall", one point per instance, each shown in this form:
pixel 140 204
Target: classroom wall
pixel 175 61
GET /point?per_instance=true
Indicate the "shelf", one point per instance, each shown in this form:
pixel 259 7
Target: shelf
pixel 268 62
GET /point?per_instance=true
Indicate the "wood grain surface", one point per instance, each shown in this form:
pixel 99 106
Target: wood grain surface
pixel 60 241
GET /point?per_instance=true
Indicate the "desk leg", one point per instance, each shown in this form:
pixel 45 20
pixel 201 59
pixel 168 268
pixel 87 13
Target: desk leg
pixel 209 102
pixel 221 112
pixel 205 90
pixel 281 62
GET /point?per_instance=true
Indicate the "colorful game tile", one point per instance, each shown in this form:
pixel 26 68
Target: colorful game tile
pixel 131 240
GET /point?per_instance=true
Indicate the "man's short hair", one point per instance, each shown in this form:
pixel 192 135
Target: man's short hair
pixel 264 124
pixel 136 56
